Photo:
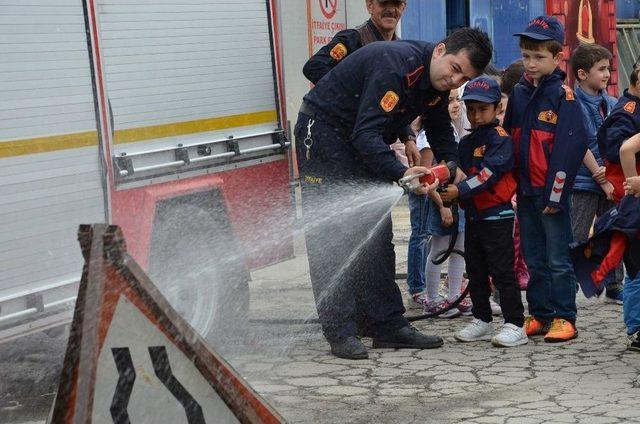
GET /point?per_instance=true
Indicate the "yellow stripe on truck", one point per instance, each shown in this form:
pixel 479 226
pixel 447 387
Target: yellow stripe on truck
pixel 52 143
pixel 48 144
pixel 191 127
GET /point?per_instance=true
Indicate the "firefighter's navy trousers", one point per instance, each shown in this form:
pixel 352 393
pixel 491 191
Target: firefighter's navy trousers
pixel 348 233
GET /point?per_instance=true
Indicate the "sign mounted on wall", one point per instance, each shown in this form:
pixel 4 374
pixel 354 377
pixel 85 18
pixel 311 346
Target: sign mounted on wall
pixel 325 19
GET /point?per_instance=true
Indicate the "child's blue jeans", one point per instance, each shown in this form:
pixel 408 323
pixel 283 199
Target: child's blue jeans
pixel 418 246
pixel 551 292
pixel 631 299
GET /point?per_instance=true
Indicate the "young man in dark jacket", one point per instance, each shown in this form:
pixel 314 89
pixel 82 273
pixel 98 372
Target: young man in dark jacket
pixel 345 126
pixel 550 142
pixel 486 157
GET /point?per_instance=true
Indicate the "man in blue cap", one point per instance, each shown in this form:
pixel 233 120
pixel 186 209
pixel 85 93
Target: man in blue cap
pixel 550 142
pixel 486 157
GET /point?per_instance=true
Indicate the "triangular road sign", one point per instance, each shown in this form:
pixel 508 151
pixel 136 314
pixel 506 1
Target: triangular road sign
pixel 132 359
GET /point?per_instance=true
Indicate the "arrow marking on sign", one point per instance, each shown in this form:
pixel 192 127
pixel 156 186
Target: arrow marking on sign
pixel 127 376
pixel 163 371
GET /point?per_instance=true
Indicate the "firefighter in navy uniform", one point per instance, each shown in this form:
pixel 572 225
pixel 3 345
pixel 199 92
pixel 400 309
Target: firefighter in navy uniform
pixel 385 16
pixel 344 129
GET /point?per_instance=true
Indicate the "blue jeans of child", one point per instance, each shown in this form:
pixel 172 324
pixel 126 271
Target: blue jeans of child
pixel 418 246
pixel 631 299
pixel 545 240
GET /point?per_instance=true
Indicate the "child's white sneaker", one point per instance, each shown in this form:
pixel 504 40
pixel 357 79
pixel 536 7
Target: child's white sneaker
pixel 476 330
pixel 510 335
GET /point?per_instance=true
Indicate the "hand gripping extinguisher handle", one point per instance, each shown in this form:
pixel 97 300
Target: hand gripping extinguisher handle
pixel 453 169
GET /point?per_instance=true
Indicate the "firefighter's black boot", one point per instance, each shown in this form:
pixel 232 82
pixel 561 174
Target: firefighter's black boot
pixel 349 348
pixel 408 338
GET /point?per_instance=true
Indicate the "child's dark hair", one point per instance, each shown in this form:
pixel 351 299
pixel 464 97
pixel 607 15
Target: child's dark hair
pixel 511 76
pixel 587 55
pixel 475 41
pixel 633 76
pixel 550 45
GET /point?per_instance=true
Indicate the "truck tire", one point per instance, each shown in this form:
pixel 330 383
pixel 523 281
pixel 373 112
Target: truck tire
pixel 196 261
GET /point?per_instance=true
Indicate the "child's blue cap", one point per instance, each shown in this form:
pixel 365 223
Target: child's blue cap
pixel 482 89
pixel 544 28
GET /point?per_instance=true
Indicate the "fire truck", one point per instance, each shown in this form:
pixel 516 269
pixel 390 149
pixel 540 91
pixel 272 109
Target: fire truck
pixel 164 118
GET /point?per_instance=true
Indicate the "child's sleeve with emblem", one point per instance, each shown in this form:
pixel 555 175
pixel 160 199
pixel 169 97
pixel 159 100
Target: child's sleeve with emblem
pixel 496 161
pixel 569 148
pixel 618 128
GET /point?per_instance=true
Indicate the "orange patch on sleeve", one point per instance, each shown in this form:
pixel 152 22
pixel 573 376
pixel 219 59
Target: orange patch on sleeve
pixel 630 107
pixel 338 52
pixel 502 131
pixel 389 101
pixel 478 152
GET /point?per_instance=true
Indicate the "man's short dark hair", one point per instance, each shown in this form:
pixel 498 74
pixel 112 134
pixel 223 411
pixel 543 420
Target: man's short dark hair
pixel 587 55
pixel 550 45
pixel 511 76
pixel 475 42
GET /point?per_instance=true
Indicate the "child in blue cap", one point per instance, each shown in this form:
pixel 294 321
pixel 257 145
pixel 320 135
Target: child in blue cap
pixel 550 142
pixel 486 157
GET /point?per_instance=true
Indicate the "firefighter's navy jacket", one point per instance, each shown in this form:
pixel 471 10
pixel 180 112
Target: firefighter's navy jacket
pixel 374 94
pixel 343 44
pixel 486 156
pixel 622 123
pixel 550 140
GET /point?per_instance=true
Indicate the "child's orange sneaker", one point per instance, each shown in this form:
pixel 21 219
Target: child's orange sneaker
pixel 534 327
pixel 561 331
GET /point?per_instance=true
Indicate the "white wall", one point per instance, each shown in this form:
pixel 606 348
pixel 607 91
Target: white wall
pixel 293 17
pixel 295 48
pixel 356 12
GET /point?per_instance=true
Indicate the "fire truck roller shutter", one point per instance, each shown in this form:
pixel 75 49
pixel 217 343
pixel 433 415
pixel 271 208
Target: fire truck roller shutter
pixel 50 176
pixel 184 74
